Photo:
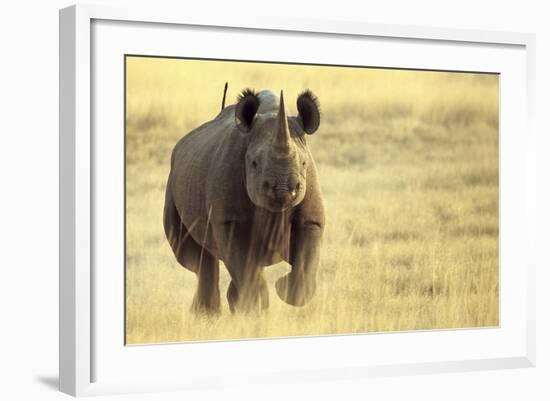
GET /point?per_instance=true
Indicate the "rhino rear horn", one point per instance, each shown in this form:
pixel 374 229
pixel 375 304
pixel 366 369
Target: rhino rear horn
pixel 245 112
pixel 308 109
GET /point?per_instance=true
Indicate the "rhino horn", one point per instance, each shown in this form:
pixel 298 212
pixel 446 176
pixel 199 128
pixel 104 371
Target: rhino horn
pixel 281 139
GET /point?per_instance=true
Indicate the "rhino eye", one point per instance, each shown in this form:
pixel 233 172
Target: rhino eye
pixel 303 164
pixel 254 164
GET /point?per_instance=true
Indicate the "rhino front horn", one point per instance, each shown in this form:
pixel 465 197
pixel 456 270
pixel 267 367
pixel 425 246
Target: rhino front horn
pixel 281 139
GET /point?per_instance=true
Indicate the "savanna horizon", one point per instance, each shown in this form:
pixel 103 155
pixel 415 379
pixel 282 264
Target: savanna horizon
pixel 408 164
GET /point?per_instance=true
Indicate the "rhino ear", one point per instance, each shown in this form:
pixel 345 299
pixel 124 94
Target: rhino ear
pixel 247 107
pixel 308 109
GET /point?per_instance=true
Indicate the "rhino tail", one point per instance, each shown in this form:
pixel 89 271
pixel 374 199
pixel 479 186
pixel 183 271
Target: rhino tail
pixel 224 94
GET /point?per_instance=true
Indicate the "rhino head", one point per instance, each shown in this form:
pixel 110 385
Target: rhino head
pixel 277 156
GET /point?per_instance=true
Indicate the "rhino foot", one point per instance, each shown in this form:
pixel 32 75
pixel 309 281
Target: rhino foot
pixel 295 291
pixel 206 306
pixel 254 301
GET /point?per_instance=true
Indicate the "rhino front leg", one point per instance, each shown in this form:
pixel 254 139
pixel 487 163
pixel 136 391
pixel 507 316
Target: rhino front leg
pixel 298 286
pixel 241 252
pixel 248 295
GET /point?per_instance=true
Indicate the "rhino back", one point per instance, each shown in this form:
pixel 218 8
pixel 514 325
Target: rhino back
pixel 205 177
pixel 269 102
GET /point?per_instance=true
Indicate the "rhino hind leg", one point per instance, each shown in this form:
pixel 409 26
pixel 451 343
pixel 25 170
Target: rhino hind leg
pixel 207 297
pixel 195 258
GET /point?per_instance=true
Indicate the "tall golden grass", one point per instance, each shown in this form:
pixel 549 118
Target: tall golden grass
pixel 408 162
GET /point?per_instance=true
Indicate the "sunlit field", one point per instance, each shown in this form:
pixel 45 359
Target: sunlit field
pixel 408 163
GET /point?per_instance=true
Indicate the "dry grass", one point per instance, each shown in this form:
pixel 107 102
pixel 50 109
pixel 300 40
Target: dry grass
pixel 408 163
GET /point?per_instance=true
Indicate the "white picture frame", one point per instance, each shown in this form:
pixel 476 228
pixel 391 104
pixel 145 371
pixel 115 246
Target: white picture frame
pixel 80 344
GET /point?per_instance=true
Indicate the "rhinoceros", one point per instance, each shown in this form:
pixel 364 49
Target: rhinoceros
pixel 243 188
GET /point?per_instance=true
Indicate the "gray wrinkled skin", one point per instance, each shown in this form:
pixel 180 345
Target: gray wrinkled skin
pixel 243 189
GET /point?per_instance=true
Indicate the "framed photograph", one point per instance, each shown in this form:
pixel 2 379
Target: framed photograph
pixel 280 200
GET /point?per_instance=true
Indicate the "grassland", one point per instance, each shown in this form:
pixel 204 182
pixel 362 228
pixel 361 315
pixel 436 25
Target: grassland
pixel 408 162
